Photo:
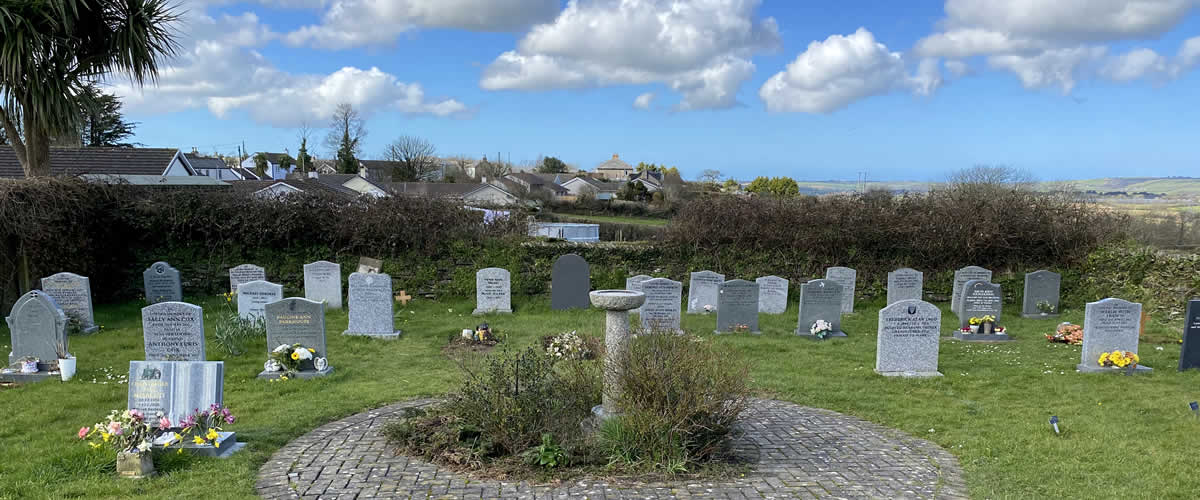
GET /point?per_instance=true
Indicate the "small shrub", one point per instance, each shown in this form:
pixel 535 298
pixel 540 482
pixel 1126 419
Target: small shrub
pixel 548 454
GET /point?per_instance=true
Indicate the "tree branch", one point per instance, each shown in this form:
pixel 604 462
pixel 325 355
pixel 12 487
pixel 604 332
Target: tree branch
pixel 13 136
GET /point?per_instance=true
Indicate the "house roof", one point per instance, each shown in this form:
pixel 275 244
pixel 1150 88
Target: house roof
pixel 274 158
pixel 655 178
pixel 436 189
pixel 599 185
pixel 614 163
pixel 246 174
pixel 205 162
pixel 306 185
pixel 108 161
pixel 536 181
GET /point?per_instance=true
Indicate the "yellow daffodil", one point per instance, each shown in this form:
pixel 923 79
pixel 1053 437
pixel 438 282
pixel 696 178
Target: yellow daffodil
pixel 106 436
pixel 212 435
pixel 198 440
pixel 95 445
pixel 179 452
pixel 295 356
pixel 314 351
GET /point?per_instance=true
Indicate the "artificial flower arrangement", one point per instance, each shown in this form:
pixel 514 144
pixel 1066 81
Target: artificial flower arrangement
pixel 1067 333
pixel 290 359
pixel 739 328
pixel 708 308
pixel 821 329
pixel 204 426
pixel 482 334
pixel 568 345
pixel 975 324
pixel 1045 307
pixel 126 431
pixel 1119 359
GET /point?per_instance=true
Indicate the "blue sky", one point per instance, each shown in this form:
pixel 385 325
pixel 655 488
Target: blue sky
pixel 900 90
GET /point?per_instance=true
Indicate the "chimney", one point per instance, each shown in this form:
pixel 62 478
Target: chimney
pixel 616 156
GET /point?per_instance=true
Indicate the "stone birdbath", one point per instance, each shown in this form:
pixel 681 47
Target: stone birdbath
pixel 617 303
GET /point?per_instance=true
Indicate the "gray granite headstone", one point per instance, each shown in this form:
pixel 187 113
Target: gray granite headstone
pixel 36 326
pixel 570 282
pixel 176 388
pixel 245 273
pixel 371 306
pixel 702 291
pixel 979 299
pixel 73 294
pixel 162 283
pixel 493 291
pixel 737 306
pixel 635 283
pixel 1041 287
pixel 253 297
pixel 173 331
pixel 848 278
pixel 961 277
pixel 323 283
pixel 908 339
pixel 820 299
pixel 1108 325
pixel 772 294
pixel 297 321
pixel 1189 354
pixel 905 284
pixel 662 309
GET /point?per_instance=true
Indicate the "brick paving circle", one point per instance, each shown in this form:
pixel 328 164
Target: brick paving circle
pixel 794 452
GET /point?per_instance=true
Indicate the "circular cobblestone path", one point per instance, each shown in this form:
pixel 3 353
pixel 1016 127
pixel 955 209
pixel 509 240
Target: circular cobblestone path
pixel 794 452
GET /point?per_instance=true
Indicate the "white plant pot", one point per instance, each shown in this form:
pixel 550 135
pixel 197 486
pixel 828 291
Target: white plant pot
pixel 974 328
pixel 66 368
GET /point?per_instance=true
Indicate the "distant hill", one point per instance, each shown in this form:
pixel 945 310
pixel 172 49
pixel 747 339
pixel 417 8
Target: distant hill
pixel 1172 187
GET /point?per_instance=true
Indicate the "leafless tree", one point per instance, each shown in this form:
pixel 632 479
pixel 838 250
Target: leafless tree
pixel 346 130
pixel 993 175
pixel 416 158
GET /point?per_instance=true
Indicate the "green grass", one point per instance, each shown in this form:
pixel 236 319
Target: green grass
pixel 990 410
pixel 616 219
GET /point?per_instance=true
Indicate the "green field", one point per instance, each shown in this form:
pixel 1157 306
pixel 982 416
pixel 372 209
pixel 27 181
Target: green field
pixel 615 219
pixel 1128 437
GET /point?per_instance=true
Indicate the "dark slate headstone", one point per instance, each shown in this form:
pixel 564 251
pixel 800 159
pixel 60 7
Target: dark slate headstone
pixel 245 273
pixel 73 294
pixel 37 326
pixel 323 283
pixel 961 277
pixel 848 278
pixel 298 321
pixel 493 291
pixel 905 284
pixel 772 294
pixel 979 299
pixel 1108 325
pixel 1041 287
pixel 570 282
pixel 162 283
pixel 371 306
pixel 737 307
pixel 175 388
pixel 908 339
pixel 662 309
pixel 702 291
pixel 820 299
pixel 1189 354
pixel 253 297
pixel 173 331
pixel 635 283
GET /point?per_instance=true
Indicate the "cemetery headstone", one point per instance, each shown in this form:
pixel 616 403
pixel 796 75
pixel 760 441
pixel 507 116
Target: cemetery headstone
pixel 570 282
pixel 737 307
pixel 961 277
pixel 162 283
pixel 371 306
pixel 635 283
pixel 73 294
pixel 905 284
pixel 298 321
pixel 1041 294
pixel 323 283
pixel 908 339
pixel 772 294
pixel 177 389
pixel 245 273
pixel 848 278
pixel 1109 325
pixel 661 311
pixel 820 300
pixel 368 265
pixel 1189 354
pixel 253 297
pixel 979 299
pixel 493 291
pixel 37 326
pixel 702 291
pixel 173 331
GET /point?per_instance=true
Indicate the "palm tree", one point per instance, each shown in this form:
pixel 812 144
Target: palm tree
pixel 50 50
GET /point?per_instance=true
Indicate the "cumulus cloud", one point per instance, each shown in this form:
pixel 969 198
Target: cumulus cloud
pixel 352 23
pixel 700 49
pixel 643 101
pixel 1061 67
pixel 833 73
pixel 219 69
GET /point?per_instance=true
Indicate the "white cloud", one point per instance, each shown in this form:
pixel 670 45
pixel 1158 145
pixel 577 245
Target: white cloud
pixel 1061 67
pixel 699 48
pixel 643 101
pixel 352 23
pixel 831 74
pixel 1134 65
pixel 957 68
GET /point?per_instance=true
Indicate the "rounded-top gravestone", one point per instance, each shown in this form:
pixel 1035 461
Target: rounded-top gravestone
pixel 820 300
pixel 702 291
pixel 570 282
pixel 908 339
pixel 245 273
pixel 848 279
pixel 162 283
pixel 493 291
pixel 37 326
pixel 1041 294
pixel 772 294
pixel 73 294
pixel 737 307
pixel 323 283
pixel 173 331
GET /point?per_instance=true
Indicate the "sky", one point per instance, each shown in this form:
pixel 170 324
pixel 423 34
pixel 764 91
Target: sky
pixel 896 90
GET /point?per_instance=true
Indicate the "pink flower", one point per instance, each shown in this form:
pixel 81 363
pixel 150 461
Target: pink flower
pixel 137 414
pixel 229 419
pixel 114 428
pixel 164 423
pixel 83 432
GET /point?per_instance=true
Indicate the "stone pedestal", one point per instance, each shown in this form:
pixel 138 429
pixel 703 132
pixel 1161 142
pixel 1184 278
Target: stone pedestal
pixel 617 303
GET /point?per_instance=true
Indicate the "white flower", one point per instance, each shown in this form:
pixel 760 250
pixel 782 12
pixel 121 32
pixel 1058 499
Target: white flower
pixel 282 348
pixel 144 446
pixel 272 366
pixel 303 353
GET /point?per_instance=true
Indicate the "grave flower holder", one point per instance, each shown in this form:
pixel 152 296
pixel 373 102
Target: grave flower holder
pixel 135 465
pixel 987 327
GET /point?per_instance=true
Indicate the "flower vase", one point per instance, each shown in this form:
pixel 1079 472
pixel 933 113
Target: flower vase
pixel 986 328
pixel 974 328
pixel 66 368
pixel 1129 369
pixel 135 465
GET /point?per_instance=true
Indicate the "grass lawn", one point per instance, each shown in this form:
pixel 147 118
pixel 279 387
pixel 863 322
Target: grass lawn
pixel 644 221
pixel 1131 437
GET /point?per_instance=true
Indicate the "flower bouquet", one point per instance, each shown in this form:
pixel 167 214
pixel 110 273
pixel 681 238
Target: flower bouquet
pixel 708 308
pixel 1119 359
pixel 1067 333
pixel 290 359
pixel 568 345
pixel 972 325
pixel 204 427
pixel 987 325
pixel 132 436
pixel 1045 307
pixel 821 329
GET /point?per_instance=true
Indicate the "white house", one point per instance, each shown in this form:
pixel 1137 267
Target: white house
pixel 614 169
pixel 274 169
pixel 600 189
pixel 216 168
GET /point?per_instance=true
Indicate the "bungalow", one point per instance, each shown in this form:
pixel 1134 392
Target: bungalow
pixel 104 162
pixel 217 169
pixel 275 189
pixel 275 162
pixel 652 180
pixel 534 183
pixel 476 194
pixel 352 184
pixel 614 169
pixel 602 190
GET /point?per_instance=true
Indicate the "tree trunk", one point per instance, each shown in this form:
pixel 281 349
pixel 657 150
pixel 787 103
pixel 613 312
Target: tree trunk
pixel 37 150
